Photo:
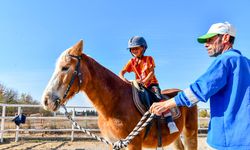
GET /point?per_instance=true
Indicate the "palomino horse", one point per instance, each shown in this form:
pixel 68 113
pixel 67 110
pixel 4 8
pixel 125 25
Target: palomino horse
pixel 112 98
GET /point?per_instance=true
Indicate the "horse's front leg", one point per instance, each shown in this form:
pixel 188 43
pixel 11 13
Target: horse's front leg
pixel 130 147
pixel 136 144
pixel 134 147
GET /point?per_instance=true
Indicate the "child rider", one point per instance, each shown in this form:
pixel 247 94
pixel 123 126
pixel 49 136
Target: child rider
pixel 143 67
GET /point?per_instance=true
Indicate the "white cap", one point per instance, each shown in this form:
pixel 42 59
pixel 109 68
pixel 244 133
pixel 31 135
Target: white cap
pixel 218 28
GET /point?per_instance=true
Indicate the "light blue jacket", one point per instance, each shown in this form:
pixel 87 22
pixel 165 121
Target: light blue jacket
pixel 227 84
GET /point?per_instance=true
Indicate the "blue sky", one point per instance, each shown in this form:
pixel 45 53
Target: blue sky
pixel 34 33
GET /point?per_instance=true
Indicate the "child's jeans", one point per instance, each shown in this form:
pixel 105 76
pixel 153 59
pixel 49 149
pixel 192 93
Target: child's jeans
pixel 156 89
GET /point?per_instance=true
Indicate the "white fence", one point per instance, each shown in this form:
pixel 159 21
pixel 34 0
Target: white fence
pixel 54 117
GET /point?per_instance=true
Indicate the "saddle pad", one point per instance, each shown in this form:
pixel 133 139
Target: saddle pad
pixel 142 109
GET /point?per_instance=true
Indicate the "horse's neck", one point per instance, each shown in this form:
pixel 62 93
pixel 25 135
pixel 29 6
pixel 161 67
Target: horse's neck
pixel 103 87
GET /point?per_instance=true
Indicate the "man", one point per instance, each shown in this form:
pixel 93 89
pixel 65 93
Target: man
pixel 227 84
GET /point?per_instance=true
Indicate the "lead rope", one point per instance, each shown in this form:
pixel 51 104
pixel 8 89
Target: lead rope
pixel 123 142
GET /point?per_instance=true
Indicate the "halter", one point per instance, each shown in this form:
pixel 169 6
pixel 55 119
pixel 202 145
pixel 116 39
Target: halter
pixel 76 73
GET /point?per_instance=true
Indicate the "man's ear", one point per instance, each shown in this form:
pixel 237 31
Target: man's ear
pixel 225 38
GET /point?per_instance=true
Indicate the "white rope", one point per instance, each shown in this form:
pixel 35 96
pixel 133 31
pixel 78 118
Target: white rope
pixel 84 130
pixel 121 143
pixel 139 127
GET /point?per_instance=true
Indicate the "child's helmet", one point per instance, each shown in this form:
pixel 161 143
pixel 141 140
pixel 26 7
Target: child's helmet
pixel 136 41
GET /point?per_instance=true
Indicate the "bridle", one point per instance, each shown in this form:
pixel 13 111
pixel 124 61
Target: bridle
pixel 75 74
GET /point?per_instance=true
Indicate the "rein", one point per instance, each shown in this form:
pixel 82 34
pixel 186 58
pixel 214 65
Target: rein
pixel 76 73
pixel 123 142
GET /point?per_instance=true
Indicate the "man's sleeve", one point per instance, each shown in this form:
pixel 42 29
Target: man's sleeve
pixel 206 86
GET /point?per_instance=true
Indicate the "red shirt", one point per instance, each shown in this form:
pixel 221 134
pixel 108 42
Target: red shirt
pixel 141 68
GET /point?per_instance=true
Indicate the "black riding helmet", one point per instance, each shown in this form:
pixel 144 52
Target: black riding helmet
pixel 137 41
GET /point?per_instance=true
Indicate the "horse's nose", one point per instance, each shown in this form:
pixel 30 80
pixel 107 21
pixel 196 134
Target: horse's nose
pixel 55 98
pixel 46 99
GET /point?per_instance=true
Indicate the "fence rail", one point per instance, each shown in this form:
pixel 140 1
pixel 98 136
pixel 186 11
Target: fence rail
pixel 54 117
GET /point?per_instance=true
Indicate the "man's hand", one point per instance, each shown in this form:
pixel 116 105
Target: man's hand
pixel 158 108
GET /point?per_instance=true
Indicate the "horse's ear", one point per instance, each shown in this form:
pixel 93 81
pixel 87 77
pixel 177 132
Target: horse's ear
pixel 77 48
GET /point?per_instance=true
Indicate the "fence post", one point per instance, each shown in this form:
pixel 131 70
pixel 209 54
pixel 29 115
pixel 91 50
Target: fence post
pixel 73 127
pixel 86 115
pixel 17 127
pixel 2 122
pixel 198 118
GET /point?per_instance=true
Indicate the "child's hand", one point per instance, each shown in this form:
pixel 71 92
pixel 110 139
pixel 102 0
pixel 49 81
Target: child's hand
pixel 139 81
pixel 126 80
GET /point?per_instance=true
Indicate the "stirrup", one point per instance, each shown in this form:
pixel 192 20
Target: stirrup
pixel 172 127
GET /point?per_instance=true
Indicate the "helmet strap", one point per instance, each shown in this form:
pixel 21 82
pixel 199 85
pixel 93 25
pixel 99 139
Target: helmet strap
pixel 140 57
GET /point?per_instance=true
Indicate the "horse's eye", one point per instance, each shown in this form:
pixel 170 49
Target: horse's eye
pixel 65 68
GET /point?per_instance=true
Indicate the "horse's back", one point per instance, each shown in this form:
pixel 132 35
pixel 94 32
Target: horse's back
pixel 170 92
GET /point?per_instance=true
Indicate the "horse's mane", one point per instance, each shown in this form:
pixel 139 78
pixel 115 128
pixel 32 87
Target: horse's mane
pixel 103 74
pixel 108 86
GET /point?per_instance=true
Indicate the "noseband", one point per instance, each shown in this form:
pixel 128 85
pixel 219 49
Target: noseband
pixel 76 73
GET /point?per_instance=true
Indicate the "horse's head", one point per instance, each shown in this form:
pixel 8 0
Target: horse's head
pixel 66 79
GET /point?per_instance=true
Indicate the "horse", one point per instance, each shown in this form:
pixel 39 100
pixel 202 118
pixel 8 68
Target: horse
pixel 113 100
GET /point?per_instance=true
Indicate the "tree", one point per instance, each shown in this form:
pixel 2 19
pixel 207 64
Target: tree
pixel 26 99
pixel 2 88
pixel 10 96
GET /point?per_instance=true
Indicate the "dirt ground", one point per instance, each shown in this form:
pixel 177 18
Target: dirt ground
pixel 76 145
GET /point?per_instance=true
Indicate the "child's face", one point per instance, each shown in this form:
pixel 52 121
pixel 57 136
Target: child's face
pixel 137 51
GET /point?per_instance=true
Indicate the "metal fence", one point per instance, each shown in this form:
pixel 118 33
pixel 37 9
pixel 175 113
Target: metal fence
pixel 20 107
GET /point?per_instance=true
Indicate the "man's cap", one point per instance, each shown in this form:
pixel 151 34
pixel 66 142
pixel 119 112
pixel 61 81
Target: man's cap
pixel 218 28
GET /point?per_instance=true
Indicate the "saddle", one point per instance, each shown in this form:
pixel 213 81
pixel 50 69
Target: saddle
pixel 144 98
